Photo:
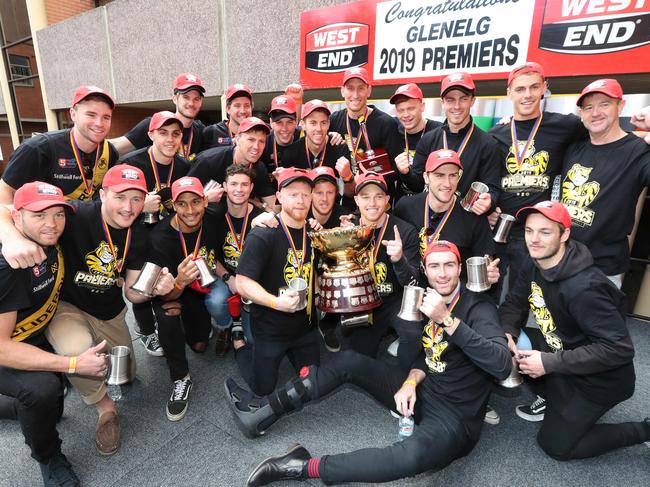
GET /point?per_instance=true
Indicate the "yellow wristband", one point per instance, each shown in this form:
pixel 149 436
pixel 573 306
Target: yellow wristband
pixel 274 302
pixel 72 365
pixel 411 381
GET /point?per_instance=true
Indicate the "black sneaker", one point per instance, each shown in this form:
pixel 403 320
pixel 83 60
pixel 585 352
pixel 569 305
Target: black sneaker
pixel 177 404
pixel 152 345
pixel 534 412
pixel 237 332
pixel 329 338
pixel 58 472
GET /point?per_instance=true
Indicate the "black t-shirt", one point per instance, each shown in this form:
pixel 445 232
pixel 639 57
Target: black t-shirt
pixel 600 187
pixel 192 135
pixel 296 155
pixel 91 278
pixel 33 293
pixel 228 250
pixel 268 157
pixel 217 135
pixel 414 139
pixel 50 158
pixel 470 232
pixel 480 158
pixel 212 164
pixel 334 219
pixel 268 259
pixel 533 182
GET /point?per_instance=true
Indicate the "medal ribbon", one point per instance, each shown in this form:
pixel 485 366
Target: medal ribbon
pixel 375 250
pixel 285 229
pixel 463 143
pixel 441 223
pixel 184 150
pixel 361 120
pixel 320 157
pixel 239 243
pixel 182 239
pixel 437 329
pixel 232 135
pixel 519 156
pixel 77 157
pixel 275 153
pixel 155 170
pixel 111 247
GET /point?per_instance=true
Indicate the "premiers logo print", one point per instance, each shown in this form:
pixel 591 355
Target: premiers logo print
pixel 337 47
pixel 595 26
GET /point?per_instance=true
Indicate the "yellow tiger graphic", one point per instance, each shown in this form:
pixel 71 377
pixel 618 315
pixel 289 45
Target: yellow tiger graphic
pixel 434 347
pixel 534 164
pixel 291 267
pixel 543 317
pixel 576 191
pixel 100 260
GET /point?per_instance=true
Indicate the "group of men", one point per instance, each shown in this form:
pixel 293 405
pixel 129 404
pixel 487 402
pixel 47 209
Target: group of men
pixel 82 215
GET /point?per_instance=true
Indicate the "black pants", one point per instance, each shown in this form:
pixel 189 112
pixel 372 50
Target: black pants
pixel 144 318
pixel 39 398
pixel 192 326
pixel 440 436
pixel 366 339
pixel 259 363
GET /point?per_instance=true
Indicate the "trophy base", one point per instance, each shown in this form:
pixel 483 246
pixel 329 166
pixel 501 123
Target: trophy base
pixel 347 292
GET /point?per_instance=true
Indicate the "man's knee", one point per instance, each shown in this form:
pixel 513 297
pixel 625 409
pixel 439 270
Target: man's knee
pixel 553 447
pixel 69 341
pixel 42 391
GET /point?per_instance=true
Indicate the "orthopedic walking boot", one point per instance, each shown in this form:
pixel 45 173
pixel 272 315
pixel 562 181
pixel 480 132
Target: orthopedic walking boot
pixel 255 414
pixel 290 466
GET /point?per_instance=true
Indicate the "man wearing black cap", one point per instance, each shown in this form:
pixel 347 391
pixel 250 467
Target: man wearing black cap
pixel 475 148
pixel 30 371
pixel 251 140
pixel 275 261
pixel 188 98
pixel 445 390
pixel 582 357
pixel 239 106
pixel 603 177
pixel 73 159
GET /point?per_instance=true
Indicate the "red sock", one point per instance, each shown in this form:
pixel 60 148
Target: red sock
pixel 312 468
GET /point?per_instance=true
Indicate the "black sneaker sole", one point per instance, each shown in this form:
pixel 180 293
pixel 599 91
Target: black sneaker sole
pixel 534 418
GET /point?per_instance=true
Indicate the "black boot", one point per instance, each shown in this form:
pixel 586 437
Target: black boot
pixel 290 466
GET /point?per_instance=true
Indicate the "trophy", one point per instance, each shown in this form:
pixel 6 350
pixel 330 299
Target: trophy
pixel 346 284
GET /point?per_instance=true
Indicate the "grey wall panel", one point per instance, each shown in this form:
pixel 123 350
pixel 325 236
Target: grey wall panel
pixel 74 52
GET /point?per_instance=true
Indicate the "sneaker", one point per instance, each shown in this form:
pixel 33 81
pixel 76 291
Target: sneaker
pixel 237 332
pixel 58 472
pixel 152 345
pixel 534 412
pixel 222 343
pixel 107 433
pixel 177 404
pixel 330 339
pixel 491 416
pixel 393 348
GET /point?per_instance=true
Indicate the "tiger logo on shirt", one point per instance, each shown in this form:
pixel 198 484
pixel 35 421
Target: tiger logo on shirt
pixel 434 346
pixel 578 192
pixel 291 267
pixel 380 273
pixel 230 251
pixel 209 257
pixel 543 317
pixel 531 177
pixel 101 261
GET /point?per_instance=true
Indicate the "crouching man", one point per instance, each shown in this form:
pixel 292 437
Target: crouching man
pixel 446 390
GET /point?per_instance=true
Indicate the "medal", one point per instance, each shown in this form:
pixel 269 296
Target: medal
pixel 119 264
pixel 154 167
pixel 184 150
pixel 318 159
pixel 520 156
pixel 436 232
pixel 120 281
pixel 238 242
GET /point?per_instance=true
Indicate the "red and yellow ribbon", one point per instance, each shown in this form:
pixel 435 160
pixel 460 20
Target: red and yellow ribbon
pixel 463 143
pixel 441 223
pixel 118 265
pixel 299 261
pixel 239 242
pixel 318 159
pixel 155 170
pixel 519 156
pixel 437 329
pixel 182 239
pixel 184 149
pixel 77 157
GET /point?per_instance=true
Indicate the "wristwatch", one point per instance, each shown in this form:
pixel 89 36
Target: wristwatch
pixel 448 321
pixel 226 276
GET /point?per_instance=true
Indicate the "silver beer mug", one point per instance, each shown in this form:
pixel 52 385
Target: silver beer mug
pixel 300 286
pixel 147 279
pixel 411 302
pixel 477 280
pixel 475 190
pixel 503 228
pixel 150 218
pixel 205 274
pixel 514 379
pixel 120 362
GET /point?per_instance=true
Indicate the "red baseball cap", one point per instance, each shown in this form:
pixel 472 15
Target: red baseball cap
pixel 552 210
pixel 161 118
pixel 188 81
pixel 282 106
pixel 457 80
pixel 251 123
pixel 85 91
pixel 441 246
pixel 409 90
pixel 366 178
pixel 293 174
pixel 38 196
pixel 323 172
pixel 316 104
pixel 361 73
pixel 187 184
pixel 122 177
pixel 238 89
pixel 529 67
pixel 440 158
pixel 609 87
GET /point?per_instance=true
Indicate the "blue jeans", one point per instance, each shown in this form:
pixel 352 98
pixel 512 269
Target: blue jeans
pixel 216 303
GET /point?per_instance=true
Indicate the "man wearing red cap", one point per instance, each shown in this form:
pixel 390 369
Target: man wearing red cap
pixel 30 371
pixel 273 261
pixel 239 106
pixel 250 142
pixel 445 390
pixel 475 148
pixel 603 177
pixel 73 159
pixel 284 130
pixel 582 357
pixel 365 127
pixel 188 92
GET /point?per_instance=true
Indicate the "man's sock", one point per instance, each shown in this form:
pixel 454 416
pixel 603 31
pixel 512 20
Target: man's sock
pixel 310 470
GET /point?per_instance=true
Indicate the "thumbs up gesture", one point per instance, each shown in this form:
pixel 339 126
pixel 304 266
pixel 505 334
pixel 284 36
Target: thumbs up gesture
pixel 394 247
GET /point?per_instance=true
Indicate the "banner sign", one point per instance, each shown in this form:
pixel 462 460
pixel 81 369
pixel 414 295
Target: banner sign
pixel 399 41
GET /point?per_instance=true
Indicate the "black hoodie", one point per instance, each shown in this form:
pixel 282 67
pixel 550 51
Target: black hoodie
pixel 581 315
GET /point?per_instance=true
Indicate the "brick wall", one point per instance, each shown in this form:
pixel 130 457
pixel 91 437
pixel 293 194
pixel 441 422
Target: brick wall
pixel 58 10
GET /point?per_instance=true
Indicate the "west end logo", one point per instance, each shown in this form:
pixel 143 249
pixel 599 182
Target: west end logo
pixel 337 47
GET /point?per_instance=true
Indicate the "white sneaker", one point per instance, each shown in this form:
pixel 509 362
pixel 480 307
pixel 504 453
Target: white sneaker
pixel 393 348
pixel 491 416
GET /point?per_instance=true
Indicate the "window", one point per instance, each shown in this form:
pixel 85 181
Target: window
pixel 20 68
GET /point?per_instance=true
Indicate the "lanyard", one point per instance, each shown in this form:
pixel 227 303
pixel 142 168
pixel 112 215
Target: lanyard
pixel 238 242
pixel 362 131
pixel 406 142
pixel 463 142
pixel 182 239
pixel 275 152
pixel 299 261
pixel 184 150
pixel 519 156
pixel 318 159
pixel 118 265
pixel 77 157
pixel 232 135
pixel 441 223
pixel 154 167
pixel 437 329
